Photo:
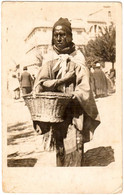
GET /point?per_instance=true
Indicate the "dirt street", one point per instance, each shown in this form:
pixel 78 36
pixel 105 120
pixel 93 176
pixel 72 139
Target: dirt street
pixel 24 146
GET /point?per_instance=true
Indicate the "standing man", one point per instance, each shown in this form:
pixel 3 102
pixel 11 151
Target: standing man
pixel 112 75
pixel 65 71
pixel 26 82
pixel 100 82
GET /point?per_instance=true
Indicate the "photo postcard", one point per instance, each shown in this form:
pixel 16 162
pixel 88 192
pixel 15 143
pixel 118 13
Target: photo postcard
pixel 61 97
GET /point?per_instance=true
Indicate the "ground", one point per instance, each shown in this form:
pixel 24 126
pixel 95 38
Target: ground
pixel 24 146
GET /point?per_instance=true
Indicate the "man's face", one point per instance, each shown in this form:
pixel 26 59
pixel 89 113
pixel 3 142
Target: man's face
pixel 60 37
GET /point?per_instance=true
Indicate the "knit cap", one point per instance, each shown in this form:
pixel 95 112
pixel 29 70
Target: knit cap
pixel 65 23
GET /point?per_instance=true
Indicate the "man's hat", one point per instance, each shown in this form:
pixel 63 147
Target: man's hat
pixel 98 65
pixel 64 22
pixel 25 68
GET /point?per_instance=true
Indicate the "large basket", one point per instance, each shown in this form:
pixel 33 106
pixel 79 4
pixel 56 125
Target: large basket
pixel 47 106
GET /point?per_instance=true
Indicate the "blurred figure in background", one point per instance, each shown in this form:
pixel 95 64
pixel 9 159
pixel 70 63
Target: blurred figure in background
pixel 15 86
pixel 26 81
pixel 112 75
pixel 110 84
pixel 100 82
pixel 92 80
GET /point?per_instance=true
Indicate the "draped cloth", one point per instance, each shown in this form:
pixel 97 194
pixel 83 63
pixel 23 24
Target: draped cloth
pixel 100 83
pixel 61 67
pixel 81 116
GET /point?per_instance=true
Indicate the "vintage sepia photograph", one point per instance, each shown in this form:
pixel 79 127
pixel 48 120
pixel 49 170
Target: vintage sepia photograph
pixel 61 97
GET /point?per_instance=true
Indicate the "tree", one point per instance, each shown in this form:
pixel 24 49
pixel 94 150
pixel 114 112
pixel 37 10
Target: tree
pixel 103 48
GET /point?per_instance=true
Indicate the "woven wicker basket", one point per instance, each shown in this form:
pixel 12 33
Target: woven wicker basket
pixel 47 106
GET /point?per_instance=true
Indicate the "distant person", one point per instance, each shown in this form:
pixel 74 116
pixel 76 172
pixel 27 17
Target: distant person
pixel 112 75
pixel 15 86
pixel 26 82
pixel 17 69
pixel 100 82
pixel 91 79
pixel 110 84
pixel 33 77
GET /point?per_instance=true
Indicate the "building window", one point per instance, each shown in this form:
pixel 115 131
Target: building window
pixel 109 13
pixel 45 49
pixel 95 28
pixel 44 29
pixel 79 32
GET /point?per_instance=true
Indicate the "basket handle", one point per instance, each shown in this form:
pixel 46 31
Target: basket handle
pixel 34 87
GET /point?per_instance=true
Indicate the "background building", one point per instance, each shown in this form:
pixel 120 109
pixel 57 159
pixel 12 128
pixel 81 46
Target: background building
pixel 38 41
pixel 28 36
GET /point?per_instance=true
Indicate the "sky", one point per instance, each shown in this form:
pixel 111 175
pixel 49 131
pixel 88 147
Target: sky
pixel 19 18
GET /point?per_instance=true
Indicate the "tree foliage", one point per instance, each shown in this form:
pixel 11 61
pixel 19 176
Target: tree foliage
pixel 103 48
